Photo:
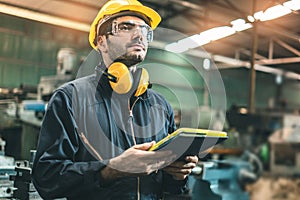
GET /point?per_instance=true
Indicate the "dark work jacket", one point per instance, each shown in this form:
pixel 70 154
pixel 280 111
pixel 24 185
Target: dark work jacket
pixel 85 125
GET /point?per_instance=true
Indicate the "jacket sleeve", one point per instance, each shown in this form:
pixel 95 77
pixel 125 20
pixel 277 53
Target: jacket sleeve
pixel 56 170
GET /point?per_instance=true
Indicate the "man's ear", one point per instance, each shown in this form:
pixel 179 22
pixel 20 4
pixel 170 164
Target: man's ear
pixel 102 43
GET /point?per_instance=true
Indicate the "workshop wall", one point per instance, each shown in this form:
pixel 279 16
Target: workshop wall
pixel 236 81
pixel 268 93
pixel 29 49
pixel 176 78
pixel 291 95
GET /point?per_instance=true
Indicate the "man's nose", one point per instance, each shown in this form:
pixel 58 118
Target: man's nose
pixel 138 33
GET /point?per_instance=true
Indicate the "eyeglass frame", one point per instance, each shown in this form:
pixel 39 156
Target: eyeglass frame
pixel 115 28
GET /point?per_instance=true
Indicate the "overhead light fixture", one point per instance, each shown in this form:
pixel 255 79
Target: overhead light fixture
pixel 251 18
pixel 240 25
pixel 45 18
pixel 206 64
pixel 193 41
pixel 275 12
pixel 293 4
pixel 217 33
pixel 237 26
pixel 278 79
pixel 175 48
pixel 258 15
pixel 187 43
pixel 200 39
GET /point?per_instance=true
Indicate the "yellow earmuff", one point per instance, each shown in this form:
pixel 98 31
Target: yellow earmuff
pixel 143 82
pixel 125 81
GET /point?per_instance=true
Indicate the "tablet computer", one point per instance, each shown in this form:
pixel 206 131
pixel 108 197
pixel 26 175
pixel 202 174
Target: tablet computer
pixel 189 141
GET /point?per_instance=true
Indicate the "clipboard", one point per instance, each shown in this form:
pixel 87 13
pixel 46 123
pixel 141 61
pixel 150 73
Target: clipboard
pixel 190 141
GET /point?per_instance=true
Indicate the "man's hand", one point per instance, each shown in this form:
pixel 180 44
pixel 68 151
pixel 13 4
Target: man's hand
pixel 180 169
pixel 136 161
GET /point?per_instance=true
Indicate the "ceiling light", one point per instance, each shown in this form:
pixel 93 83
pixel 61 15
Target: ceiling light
pixel 206 64
pixel 240 25
pixel 187 43
pixel 217 33
pixel 237 25
pixel 193 41
pixel 258 15
pixel 251 18
pixel 278 79
pixel 175 48
pixel 49 19
pixel 198 39
pixel 238 22
pixel 293 5
pixel 275 12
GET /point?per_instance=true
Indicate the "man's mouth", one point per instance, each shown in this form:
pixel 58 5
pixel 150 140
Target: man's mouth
pixel 137 46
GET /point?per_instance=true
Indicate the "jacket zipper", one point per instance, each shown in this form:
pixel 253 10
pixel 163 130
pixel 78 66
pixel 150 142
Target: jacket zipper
pixel 134 141
pixel 131 118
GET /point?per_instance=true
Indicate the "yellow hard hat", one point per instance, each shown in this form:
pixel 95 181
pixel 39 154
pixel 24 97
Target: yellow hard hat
pixel 113 7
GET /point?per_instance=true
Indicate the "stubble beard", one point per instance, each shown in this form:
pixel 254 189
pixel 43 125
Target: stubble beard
pixel 128 58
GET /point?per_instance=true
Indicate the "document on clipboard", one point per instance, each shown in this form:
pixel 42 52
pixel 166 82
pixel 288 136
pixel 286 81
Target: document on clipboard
pixel 190 141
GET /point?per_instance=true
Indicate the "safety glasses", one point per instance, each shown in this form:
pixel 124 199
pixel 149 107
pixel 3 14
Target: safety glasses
pixel 130 27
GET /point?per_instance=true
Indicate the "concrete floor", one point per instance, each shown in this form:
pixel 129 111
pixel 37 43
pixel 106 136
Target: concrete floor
pixel 275 188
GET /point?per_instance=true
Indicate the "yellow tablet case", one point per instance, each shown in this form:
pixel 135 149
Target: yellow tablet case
pixel 190 141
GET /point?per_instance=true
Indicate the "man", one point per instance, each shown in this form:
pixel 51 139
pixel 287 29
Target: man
pixel 95 134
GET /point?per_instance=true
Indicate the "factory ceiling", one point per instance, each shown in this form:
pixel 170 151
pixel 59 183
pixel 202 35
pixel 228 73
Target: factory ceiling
pixel 278 40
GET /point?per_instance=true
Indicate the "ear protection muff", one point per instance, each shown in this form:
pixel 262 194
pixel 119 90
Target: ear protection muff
pixel 122 81
pixel 141 80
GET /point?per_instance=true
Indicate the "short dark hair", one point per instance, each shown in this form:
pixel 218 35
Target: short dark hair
pixel 105 28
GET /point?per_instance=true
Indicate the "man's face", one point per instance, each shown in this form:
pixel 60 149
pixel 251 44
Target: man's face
pixel 129 42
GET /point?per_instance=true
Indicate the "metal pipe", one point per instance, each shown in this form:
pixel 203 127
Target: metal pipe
pixel 252 68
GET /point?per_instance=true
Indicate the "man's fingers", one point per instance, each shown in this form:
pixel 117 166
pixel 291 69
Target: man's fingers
pixel 193 159
pixel 183 165
pixel 144 146
pixel 177 172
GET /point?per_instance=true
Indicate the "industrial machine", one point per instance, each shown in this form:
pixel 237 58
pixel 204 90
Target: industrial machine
pixel 65 71
pixel 31 111
pixel 6 169
pixel 6 185
pixel 23 188
pixel 225 179
pixel 284 147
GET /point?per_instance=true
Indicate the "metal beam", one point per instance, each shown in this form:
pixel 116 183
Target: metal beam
pixel 288 47
pixel 248 53
pixel 278 61
pixel 271 49
pixel 225 63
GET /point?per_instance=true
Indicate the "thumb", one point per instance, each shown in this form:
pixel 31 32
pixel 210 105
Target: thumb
pixel 144 146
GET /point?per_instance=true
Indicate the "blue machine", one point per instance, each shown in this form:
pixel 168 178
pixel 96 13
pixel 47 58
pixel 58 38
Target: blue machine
pixel 225 179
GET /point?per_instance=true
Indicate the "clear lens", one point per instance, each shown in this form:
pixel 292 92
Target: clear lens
pixel 132 27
